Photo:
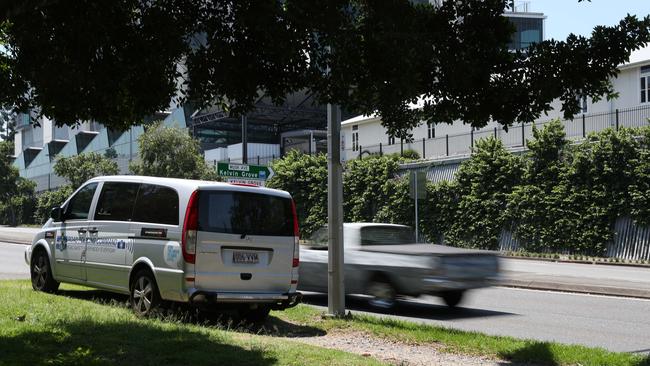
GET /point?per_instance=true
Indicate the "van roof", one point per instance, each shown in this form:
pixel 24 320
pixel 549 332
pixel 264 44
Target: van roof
pixel 190 184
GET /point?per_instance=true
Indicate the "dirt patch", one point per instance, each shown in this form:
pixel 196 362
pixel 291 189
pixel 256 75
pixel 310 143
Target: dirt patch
pixel 396 353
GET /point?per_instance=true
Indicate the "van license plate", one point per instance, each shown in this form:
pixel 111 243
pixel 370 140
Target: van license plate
pixel 245 258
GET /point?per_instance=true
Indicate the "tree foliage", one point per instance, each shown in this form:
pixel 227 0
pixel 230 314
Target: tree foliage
pixel 47 200
pixel 121 60
pixel 305 177
pixel 484 182
pixel 534 207
pixel 79 168
pixel 170 152
pixel 640 190
pixel 367 186
pixel 16 193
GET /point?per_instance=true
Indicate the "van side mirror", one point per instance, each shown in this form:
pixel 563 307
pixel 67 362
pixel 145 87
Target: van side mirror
pixel 57 214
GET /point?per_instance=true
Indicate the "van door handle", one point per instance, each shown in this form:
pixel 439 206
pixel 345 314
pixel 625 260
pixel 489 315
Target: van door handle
pixel 81 231
pixel 93 230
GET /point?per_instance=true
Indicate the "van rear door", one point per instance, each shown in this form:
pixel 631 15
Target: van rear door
pixel 245 242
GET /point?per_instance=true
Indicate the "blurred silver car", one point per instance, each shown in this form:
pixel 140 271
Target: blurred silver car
pixel 384 262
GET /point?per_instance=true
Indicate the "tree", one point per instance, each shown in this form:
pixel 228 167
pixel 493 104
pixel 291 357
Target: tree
pixel 121 60
pixel 170 152
pixel 16 193
pixel 79 168
pixel 47 200
pixel 305 177
pixel 7 124
pixel 484 183
pixel 367 186
pixel 534 207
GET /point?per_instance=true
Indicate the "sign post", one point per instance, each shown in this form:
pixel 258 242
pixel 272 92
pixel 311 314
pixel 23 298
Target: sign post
pixel 417 191
pixel 245 173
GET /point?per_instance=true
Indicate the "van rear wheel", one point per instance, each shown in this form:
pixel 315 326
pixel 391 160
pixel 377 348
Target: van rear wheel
pixel 145 298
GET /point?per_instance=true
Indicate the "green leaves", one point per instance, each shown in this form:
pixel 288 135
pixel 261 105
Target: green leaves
pixel 119 61
pixel 170 152
pixel 16 193
pixel 79 168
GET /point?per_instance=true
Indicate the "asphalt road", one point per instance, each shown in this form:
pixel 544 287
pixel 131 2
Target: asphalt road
pixel 588 271
pixel 12 262
pixel 617 324
pixel 613 323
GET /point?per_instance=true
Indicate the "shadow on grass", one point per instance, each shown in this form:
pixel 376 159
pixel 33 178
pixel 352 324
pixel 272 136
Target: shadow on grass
pixel 225 319
pixel 125 343
pixel 409 308
pixel 540 353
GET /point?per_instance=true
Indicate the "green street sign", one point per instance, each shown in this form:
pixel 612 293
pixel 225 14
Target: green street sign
pixel 244 171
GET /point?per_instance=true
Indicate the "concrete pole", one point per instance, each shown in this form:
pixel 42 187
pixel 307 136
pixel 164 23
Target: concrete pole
pixel 244 140
pixel 335 284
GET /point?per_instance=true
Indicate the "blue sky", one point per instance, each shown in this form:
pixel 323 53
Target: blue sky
pixel 570 16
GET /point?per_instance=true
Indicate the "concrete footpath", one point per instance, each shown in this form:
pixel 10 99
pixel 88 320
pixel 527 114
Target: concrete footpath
pixel 598 279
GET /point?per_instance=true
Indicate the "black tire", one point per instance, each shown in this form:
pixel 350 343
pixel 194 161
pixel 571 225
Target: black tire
pixel 256 316
pixel 452 298
pixel 383 295
pixel 41 273
pixel 145 299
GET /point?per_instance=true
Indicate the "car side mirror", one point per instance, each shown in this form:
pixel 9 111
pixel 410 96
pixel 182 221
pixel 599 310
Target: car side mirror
pixel 57 214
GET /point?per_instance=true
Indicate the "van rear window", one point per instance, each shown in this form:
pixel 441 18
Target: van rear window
pixel 245 213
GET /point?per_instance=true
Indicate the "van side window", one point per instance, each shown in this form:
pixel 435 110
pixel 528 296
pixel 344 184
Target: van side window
pixel 156 204
pixel 116 201
pixel 79 205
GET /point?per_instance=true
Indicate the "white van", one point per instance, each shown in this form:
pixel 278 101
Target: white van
pixel 173 239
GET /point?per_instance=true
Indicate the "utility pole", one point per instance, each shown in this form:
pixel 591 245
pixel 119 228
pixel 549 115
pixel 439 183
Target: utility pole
pixel 244 139
pixel 335 263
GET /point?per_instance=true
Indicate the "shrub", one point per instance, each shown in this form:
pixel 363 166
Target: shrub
pixel 47 200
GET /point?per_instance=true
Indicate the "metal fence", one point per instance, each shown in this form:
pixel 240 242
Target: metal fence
pixel 515 137
pixel 631 241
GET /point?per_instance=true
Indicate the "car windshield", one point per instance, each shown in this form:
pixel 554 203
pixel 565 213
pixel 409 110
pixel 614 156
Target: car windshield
pixel 387 235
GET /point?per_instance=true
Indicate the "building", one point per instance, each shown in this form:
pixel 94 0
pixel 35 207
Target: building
pixel 37 146
pixel 365 135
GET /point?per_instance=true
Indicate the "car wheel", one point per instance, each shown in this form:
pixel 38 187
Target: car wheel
pixel 145 298
pixel 382 293
pixel 257 315
pixel 41 273
pixel 452 298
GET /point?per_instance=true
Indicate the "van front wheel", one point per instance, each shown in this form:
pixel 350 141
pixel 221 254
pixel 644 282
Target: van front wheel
pixel 145 298
pixel 41 273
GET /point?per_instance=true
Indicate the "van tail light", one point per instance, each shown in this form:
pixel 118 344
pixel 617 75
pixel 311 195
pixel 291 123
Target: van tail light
pixel 296 236
pixel 190 227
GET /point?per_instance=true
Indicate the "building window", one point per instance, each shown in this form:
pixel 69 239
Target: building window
pixel 391 140
pixel 645 84
pixel 355 138
pixel 431 130
pixel 582 103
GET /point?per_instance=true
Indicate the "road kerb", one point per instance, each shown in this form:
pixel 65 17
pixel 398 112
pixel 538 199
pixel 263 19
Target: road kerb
pixel 576 288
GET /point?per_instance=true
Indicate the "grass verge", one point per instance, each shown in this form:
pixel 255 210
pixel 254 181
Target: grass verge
pixel 79 326
pixel 462 342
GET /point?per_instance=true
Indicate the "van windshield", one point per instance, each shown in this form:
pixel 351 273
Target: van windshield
pixel 245 213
